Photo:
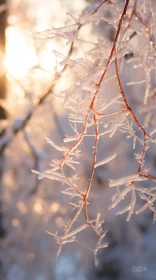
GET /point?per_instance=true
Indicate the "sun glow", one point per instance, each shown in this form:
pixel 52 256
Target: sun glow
pixel 20 55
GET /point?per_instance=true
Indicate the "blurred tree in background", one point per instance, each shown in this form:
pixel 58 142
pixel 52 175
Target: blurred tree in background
pixel 3 25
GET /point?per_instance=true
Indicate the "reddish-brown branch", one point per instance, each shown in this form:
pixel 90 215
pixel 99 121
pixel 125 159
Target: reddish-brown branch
pixel 78 142
pixel 130 18
pixel 91 108
pixel 126 102
pixel 94 156
pixel 111 53
pixel 133 116
pixel 99 7
pixel 148 176
pixel 92 173
pixel 70 184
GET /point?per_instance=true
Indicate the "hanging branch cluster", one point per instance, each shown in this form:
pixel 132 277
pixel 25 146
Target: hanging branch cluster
pixel 88 109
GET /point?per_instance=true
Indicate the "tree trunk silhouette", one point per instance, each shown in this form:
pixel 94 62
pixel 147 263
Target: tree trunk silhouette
pixel 3 115
pixel 3 25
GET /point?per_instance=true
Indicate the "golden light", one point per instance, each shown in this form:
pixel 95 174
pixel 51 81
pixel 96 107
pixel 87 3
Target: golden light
pixel 55 206
pixel 38 208
pixel 20 54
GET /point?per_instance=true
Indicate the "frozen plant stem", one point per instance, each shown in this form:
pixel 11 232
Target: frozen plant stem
pixel 93 114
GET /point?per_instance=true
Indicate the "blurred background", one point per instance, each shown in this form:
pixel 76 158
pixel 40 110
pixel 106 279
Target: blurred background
pixel 29 111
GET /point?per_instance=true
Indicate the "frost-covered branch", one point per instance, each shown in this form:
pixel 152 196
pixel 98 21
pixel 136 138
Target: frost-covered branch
pixel 95 113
